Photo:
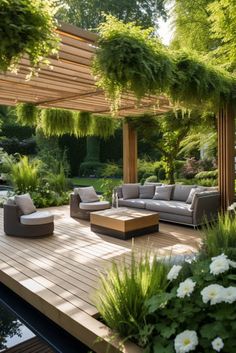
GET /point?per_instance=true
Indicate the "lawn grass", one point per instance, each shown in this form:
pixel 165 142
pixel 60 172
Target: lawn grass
pixel 95 182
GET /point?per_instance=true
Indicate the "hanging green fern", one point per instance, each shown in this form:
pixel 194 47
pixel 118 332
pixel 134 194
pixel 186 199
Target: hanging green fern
pixel 57 122
pixel 103 126
pixel 198 82
pixel 83 123
pixel 130 58
pixel 27 114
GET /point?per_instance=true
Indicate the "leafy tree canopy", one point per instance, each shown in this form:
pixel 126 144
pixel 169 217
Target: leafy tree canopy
pixel 27 27
pixel 89 14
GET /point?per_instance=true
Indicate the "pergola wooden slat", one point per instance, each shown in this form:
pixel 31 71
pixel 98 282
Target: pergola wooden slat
pixel 69 84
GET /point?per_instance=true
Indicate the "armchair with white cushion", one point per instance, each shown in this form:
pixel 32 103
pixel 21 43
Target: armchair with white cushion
pixel 23 220
pixel 83 201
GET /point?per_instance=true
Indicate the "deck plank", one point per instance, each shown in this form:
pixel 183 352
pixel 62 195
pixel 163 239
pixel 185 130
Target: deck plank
pixel 59 274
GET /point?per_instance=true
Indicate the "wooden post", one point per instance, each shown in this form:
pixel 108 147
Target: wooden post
pixel 130 154
pixel 226 155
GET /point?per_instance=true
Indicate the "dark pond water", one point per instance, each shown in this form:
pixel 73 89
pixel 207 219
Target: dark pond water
pixel 21 324
pixel 13 333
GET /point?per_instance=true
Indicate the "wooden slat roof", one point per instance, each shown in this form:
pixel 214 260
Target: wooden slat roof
pixel 68 83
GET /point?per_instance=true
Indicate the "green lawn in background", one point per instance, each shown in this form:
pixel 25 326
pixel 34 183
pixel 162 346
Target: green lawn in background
pixel 95 182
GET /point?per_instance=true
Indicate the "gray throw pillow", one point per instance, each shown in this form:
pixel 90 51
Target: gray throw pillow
pixel 163 192
pixel 130 191
pixel 25 203
pixel 146 191
pixel 181 192
pixel 193 192
pixel 88 194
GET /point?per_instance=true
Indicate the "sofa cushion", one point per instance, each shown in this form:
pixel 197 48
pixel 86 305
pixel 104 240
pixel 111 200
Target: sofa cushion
pixel 88 194
pixel 146 191
pixel 181 192
pixel 163 192
pixel 174 207
pixel 135 203
pixel 25 203
pixel 130 191
pixel 193 192
pixel 37 218
pixel 94 206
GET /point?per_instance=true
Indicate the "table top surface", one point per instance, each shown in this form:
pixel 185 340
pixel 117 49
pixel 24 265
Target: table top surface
pixel 124 213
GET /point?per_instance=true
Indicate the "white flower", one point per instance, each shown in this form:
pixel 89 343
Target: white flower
pixel 213 293
pixel 174 272
pixel 230 295
pixel 220 264
pixel 185 288
pixel 221 256
pixel 232 263
pixel 186 341
pixel 217 344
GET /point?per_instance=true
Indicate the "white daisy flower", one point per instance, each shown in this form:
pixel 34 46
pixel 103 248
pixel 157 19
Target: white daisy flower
pixel 230 295
pixel 217 344
pixel 214 293
pixel 186 341
pixel 185 288
pixel 220 264
pixel 174 272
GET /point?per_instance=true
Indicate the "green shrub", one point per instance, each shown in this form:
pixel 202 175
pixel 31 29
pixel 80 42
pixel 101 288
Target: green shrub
pixel 107 187
pixel 57 182
pixel 112 170
pixel 212 174
pixel 44 196
pixel 220 236
pixel 123 291
pixel 161 174
pixel 91 169
pixel 147 168
pixel 194 311
pixel 152 179
pixel 207 182
pixel 24 174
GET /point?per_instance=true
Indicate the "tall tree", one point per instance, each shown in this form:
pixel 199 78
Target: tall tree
pixel 89 14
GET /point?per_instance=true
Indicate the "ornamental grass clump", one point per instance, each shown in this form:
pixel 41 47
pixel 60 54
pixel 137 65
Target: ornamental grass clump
pixel 123 291
pixel 220 236
pixel 197 312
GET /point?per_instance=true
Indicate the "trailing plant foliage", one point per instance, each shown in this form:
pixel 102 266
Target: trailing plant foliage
pixel 57 122
pixel 27 114
pixel 122 293
pixel 83 123
pixel 132 59
pixel 103 126
pixel 197 81
pixel 27 27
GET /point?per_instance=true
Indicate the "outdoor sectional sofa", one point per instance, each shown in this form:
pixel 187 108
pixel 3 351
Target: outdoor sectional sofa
pixel 177 205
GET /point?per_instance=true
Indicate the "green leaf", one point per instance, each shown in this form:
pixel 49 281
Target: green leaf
pixel 158 301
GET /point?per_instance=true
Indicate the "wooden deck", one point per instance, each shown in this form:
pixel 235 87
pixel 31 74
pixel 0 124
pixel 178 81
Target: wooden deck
pixel 59 274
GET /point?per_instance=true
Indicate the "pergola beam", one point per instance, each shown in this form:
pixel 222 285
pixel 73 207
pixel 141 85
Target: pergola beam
pixel 226 155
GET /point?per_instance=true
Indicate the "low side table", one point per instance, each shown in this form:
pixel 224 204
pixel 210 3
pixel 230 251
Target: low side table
pixel 124 223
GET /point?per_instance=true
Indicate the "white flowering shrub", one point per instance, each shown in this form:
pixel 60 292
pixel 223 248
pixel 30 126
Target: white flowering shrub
pixel 197 312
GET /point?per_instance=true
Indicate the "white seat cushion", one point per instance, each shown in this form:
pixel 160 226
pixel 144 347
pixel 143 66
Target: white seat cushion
pixel 37 218
pixel 94 206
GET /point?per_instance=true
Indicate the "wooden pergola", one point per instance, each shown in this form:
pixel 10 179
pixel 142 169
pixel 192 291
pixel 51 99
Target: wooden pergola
pixel 68 83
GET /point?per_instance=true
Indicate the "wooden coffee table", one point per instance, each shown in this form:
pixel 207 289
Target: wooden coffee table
pixel 124 223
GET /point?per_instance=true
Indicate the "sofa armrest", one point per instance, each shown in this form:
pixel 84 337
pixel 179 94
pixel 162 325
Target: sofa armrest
pixel 205 207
